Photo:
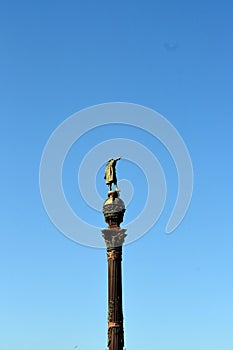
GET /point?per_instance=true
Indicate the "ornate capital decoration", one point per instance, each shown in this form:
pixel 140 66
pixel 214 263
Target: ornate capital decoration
pixel 114 237
pixel 114 254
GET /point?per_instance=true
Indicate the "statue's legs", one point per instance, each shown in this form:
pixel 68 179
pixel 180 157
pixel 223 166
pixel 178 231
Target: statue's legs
pixel 110 186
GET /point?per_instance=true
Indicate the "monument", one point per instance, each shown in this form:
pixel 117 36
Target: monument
pixel 114 236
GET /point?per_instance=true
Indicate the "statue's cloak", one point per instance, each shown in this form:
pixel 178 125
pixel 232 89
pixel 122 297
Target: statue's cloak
pixel 110 173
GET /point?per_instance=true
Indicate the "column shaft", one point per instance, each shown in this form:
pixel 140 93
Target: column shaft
pixel 115 314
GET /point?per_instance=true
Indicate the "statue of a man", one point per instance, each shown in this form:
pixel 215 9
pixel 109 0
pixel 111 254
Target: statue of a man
pixel 110 173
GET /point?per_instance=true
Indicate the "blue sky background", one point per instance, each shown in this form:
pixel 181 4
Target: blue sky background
pixel 172 56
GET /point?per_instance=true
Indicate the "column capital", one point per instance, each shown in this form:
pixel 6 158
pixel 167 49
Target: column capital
pixel 114 237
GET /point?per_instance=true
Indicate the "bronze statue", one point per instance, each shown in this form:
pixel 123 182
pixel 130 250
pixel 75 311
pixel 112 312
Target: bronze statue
pixel 110 173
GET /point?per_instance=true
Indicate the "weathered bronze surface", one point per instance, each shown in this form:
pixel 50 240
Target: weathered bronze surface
pixel 113 209
pixel 110 173
pixel 115 312
pixel 114 236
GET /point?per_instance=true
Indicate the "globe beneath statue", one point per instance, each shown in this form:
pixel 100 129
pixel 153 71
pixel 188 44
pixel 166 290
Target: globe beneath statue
pixel 113 209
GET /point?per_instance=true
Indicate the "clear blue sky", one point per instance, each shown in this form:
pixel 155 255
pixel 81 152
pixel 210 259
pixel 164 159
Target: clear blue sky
pixel 58 57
